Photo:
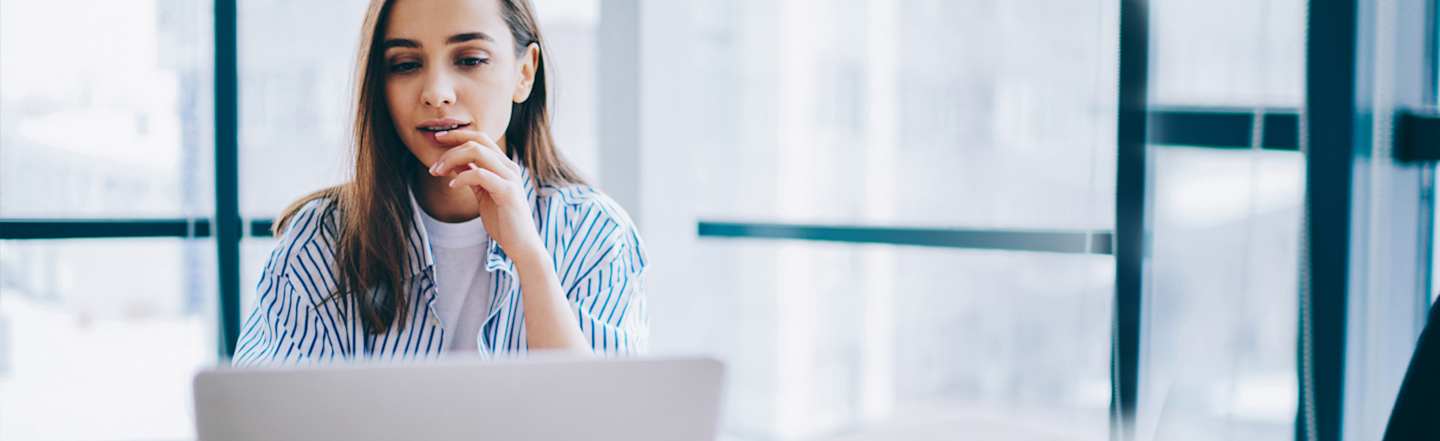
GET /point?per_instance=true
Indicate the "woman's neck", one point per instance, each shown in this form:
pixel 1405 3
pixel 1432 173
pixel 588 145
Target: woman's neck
pixel 444 203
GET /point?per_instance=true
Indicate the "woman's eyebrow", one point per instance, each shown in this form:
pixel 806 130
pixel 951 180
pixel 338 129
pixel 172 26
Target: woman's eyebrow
pixel 457 38
pixel 468 36
pixel 399 42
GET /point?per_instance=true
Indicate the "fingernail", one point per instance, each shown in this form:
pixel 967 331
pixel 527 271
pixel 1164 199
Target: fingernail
pixel 439 134
pixel 452 183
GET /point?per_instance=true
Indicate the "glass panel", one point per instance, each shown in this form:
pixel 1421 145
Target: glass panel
pixel 984 114
pixel 296 77
pixel 104 332
pixel 861 342
pixel 569 27
pixel 922 112
pixel 1221 311
pixel 111 121
pixel 1227 53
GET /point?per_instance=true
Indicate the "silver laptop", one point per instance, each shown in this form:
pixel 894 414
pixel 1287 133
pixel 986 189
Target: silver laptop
pixel 541 399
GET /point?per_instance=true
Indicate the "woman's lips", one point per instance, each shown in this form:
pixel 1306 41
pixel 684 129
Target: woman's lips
pixel 432 137
pixel 431 134
pixel 442 124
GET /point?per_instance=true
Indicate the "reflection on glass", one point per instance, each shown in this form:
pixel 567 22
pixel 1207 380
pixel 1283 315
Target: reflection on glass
pixel 1221 311
pixel 105 108
pixel 104 332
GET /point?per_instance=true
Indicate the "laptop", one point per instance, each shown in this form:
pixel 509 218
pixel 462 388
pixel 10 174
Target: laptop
pixel 539 398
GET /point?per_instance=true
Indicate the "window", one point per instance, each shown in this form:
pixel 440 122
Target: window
pixel 1220 310
pixel 140 75
pixel 1227 53
pixel 296 82
pixel 109 331
pixel 112 122
pixel 991 116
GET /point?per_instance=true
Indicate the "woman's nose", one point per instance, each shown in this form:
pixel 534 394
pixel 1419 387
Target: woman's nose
pixel 438 92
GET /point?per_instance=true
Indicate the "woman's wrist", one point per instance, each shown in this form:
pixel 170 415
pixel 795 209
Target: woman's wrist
pixel 529 254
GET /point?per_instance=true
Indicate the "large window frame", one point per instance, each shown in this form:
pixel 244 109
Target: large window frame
pixel 1332 24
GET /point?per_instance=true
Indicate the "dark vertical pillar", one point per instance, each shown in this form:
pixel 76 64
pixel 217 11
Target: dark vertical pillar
pixel 1329 139
pixel 1131 213
pixel 227 194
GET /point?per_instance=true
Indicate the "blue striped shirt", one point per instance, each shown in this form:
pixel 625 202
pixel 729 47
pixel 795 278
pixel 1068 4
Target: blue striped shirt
pixel 597 255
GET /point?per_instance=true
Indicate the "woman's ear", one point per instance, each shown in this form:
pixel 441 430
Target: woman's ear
pixel 529 65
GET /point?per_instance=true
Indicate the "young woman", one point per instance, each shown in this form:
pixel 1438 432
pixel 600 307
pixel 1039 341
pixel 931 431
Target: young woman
pixel 462 228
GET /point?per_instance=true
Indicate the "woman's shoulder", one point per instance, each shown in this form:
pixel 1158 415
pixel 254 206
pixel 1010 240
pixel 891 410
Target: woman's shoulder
pixel 583 200
pixel 308 217
pixel 583 210
pixel 305 232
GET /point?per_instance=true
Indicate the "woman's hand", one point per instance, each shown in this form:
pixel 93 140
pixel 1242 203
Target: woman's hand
pixel 479 163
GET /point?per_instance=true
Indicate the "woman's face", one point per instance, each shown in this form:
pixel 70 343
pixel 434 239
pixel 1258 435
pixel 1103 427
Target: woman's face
pixel 450 63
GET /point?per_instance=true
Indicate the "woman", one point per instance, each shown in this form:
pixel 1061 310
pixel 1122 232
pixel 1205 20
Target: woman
pixel 448 238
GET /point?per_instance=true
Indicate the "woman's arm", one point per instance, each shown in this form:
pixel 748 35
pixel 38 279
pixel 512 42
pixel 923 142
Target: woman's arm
pixel 549 321
pixel 603 283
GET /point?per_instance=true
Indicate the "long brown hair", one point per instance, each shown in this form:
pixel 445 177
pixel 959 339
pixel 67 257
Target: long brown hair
pixel 375 212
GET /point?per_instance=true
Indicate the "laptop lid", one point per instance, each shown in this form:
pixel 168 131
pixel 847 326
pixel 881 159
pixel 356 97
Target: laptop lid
pixel 540 398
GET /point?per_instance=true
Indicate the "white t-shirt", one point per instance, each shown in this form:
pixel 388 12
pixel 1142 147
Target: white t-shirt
pixel 462 284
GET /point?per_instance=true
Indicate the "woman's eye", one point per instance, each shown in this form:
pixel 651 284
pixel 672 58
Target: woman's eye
pixel 471 61
pixel 403 67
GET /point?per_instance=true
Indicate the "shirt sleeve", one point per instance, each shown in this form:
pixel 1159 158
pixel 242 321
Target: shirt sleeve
pixel 609 298
pixel 282 329
pixel 285 327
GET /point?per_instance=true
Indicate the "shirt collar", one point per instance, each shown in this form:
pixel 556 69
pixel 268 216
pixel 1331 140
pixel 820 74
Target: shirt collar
pixel 423 259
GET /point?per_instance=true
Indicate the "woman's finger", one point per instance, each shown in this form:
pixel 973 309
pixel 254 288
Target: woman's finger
pixel 457 158
pixel 457 137
pixel 461 136
pixel 486 179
